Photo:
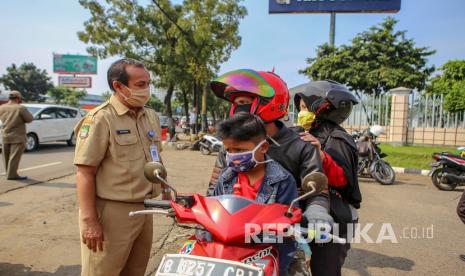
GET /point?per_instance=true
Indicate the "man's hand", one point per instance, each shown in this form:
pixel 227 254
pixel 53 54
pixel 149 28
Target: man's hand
pixel 307 137
pixel 318 215
pixel 92 234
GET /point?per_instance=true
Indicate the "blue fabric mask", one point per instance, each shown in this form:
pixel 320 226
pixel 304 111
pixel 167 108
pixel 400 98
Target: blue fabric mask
pixel 243 161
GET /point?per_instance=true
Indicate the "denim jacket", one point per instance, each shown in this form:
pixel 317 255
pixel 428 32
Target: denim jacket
pixel 278 185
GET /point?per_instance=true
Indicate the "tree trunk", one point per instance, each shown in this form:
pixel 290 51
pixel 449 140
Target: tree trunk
pixel 186 105
pixel 212 112
pixel 196 104
pixel 204 109
pixel 167 101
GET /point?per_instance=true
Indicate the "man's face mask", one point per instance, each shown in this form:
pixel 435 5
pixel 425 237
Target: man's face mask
pixel 242 108
pixel 137 97
pixel 305 119
pixel 244 161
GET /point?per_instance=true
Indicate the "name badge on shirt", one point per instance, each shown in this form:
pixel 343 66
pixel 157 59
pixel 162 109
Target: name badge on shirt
pixel 123 131
pixel 154 153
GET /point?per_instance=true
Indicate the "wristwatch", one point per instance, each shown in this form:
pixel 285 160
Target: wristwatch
pixel 166 190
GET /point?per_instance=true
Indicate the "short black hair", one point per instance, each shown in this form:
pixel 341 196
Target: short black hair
pixel 117 71
pixel 242 127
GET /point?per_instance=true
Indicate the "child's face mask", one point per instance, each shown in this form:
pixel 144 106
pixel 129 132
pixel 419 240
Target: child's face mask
pixel 305 119
pixel 244 161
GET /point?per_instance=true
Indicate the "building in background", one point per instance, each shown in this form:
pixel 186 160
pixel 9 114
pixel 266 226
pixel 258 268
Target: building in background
pixel 91 101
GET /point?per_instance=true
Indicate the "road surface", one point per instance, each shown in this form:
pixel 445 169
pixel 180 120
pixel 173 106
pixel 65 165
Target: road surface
pixel 39 233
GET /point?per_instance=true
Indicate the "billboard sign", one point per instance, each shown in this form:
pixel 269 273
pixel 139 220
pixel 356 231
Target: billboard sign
pixel 74 64
pixel 75 82
pixel 336 6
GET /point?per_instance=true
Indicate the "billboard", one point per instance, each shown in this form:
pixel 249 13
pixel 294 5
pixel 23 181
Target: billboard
pixel 75 82
pixel 74 64
pixel 337 6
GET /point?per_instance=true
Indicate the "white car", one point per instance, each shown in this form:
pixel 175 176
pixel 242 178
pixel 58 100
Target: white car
pixel 51 123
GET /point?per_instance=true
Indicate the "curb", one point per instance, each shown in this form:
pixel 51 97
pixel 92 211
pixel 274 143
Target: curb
pixel 411 171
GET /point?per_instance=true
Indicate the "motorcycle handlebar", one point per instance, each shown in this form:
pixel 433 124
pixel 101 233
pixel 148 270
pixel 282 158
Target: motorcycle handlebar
pixel 154 203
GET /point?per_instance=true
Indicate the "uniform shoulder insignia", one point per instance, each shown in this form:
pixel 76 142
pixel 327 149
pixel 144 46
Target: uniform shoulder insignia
pixel 84 131
pixel 97 109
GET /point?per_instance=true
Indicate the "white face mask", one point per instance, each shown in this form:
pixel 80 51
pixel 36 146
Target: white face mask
pixel 137 97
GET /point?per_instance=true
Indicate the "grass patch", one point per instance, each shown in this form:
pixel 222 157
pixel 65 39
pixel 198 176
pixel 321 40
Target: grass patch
pixel 418 157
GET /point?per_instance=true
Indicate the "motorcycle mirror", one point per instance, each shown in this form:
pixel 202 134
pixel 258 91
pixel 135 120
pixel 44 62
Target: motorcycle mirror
pixel 153 171
pixel 314 182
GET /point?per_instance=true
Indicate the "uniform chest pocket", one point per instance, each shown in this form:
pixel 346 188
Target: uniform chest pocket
pixel 127 147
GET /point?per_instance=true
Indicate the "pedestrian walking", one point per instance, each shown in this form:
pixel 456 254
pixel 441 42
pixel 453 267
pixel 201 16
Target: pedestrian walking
pixel 14 118
pixel 193 121
pixel 114 142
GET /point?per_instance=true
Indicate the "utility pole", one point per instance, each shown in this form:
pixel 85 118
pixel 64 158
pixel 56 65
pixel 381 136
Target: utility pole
pixel 332 29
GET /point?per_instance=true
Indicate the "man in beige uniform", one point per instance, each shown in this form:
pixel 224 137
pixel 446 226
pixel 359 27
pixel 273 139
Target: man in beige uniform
pixel 14 117
pixel 114 143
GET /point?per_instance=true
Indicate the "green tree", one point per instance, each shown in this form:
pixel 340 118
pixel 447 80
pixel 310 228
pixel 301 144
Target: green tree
pixel 378 60
pixel 32 82
pixel 156 104
pixel 179 43
pixel 125 28
pixel 106 95
pixel 66 95
pixel 451 84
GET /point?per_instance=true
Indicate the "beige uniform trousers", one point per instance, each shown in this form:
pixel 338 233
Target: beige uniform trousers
pixel 11 156
pixel 127 241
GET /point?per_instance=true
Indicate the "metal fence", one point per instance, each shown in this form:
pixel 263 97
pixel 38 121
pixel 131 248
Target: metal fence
pixel 427 111
pixel 371 110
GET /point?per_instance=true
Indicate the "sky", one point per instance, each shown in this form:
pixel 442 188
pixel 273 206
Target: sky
pixel 32 30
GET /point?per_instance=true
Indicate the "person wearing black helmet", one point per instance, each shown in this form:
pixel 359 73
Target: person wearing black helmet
pixel 266 95
pixel 323 106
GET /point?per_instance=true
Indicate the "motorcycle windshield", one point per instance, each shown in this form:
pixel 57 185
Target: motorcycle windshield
pixel 233 203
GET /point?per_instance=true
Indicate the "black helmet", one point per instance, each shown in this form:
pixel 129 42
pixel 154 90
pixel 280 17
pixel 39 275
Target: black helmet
pixel 328 99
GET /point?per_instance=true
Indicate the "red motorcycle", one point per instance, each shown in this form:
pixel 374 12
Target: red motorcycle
pixel 220 245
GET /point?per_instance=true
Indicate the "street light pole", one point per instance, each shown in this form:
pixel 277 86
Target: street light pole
pixel 332 29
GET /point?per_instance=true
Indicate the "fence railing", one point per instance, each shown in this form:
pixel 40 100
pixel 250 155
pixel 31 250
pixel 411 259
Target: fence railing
pixel 427 111
pixel 371 110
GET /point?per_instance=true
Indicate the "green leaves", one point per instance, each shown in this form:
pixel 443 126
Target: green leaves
pixel 450 83
pixel 182 45
pixel 66 96
pixel 378 60
pixel 32 82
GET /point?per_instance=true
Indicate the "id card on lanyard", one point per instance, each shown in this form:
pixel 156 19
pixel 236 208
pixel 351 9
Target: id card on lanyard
pixel 153 147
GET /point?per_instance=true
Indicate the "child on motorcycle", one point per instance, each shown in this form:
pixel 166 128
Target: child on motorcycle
pixel 251 174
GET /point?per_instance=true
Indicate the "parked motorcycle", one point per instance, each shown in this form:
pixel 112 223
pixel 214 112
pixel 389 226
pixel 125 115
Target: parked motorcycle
pixel 448 171
pixel 219 246
pixel 209 144
pixel 370 161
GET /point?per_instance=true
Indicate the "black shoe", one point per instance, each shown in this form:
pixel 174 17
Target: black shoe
pixel 462 257
pixel 17 178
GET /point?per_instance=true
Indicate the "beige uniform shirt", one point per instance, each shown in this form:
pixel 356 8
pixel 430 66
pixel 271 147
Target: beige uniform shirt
pixel 114 140
pixel 14 118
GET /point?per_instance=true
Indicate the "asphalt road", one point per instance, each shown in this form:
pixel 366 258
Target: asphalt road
pixel 48 162
pixel 421 232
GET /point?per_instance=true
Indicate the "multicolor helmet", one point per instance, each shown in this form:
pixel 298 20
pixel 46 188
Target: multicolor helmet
pixel 269 92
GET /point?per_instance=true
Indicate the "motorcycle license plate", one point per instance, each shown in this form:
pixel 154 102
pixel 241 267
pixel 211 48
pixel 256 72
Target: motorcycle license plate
pixel 187 265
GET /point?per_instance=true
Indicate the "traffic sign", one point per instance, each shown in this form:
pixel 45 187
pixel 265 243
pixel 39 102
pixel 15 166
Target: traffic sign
pixel 333 6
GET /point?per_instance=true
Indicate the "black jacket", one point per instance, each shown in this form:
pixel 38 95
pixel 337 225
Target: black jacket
pixel 296 156
pixel 336 142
